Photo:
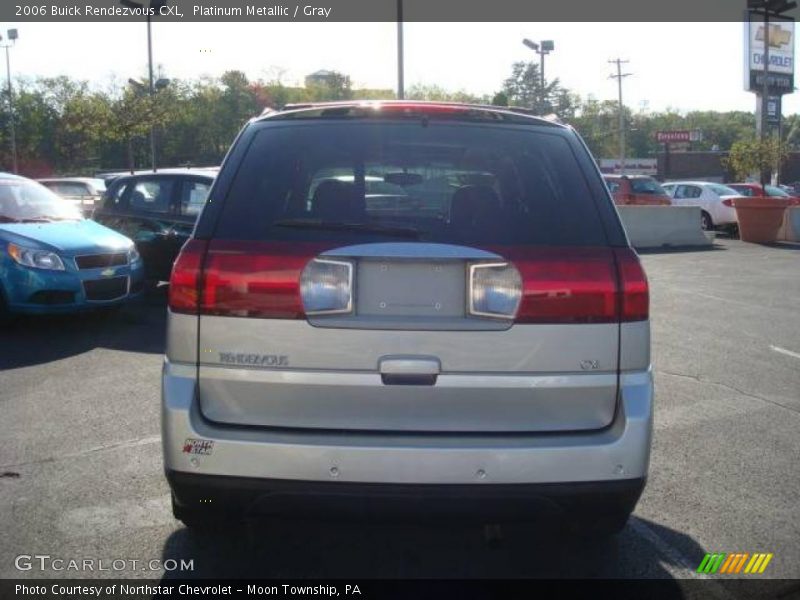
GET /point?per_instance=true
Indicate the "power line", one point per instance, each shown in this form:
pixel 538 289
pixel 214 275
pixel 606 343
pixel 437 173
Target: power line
pixel 619 75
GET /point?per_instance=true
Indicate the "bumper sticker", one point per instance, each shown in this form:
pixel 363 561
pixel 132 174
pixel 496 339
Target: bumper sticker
pixel 192 446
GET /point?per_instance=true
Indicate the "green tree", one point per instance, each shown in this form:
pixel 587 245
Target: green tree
pixel 524 89
pixel 336 86
pixel 751 156
pixel 598 123
pixel 500 99
pixel 436 93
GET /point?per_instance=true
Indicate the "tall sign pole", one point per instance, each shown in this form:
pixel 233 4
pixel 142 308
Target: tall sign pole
pixel 769 56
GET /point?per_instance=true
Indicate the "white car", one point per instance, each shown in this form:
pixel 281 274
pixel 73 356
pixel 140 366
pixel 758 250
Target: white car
pixel 713 198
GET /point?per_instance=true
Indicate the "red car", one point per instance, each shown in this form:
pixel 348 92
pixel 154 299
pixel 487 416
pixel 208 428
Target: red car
pixel 755 189
pixel 637 190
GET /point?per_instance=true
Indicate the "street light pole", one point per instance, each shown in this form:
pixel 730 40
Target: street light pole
pixel 400 67
pixel 155 6
pixel 619 62
pixel 542 49
pixel 12 36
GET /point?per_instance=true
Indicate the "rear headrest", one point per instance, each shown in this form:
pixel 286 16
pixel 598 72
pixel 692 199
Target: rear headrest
pixel 473 205
pixel 337 200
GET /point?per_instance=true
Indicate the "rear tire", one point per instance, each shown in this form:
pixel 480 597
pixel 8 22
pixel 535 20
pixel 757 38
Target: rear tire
pixel 706 223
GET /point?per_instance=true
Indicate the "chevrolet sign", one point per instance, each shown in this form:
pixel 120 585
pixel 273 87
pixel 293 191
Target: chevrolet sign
pixel 781 55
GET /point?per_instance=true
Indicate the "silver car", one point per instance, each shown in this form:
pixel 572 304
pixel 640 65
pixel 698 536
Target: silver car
pixel 478 346
pixel 83 192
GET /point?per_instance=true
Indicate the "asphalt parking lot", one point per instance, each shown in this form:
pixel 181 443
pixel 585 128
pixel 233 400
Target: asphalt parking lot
pixel 81 476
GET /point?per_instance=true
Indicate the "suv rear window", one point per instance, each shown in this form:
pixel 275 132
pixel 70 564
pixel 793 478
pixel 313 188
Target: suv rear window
pixel 460 183
pixel 645 185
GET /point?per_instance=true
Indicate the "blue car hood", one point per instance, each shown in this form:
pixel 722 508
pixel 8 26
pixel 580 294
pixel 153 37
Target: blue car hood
pixel 68 238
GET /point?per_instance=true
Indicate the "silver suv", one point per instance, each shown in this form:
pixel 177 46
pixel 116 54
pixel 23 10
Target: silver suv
pixel 392 305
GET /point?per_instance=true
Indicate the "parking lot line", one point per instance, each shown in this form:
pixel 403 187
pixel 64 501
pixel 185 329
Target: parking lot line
pixel 785 351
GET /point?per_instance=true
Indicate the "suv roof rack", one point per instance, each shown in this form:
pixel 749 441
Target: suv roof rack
pixel 421 105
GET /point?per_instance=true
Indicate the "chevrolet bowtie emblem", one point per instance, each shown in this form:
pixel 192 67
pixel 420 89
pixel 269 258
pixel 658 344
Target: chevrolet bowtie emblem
pixel 107 272
pixel 778 36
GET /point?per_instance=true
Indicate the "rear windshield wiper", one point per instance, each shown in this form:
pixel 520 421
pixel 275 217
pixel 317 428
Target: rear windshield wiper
pixel 5 219
pixel 347 226
pixel 48 218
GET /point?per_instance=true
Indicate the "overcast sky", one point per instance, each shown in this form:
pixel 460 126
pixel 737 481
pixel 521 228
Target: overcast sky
pixel 686 66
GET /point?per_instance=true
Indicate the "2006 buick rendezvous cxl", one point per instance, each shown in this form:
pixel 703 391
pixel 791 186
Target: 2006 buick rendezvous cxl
pixel 392 305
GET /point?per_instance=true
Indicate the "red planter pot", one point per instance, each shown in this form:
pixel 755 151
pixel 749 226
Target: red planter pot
pixel 760 218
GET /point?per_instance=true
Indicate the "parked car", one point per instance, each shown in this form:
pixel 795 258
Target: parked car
pixel 478 347
pixel 755 189
pixel 793 188
pixel 713 198
pixel 84 192
pixel 636 190
pixel 157 211
pixel 53 260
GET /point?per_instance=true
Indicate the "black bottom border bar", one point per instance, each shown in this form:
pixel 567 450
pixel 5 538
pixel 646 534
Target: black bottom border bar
pixel 417 589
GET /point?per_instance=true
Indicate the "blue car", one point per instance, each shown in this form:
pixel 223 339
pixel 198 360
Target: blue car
pixel 53 260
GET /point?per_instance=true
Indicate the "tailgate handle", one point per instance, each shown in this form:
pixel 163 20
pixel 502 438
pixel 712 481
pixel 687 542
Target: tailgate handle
pixel 399 370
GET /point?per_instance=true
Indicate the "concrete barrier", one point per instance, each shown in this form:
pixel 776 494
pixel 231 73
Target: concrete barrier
pixel 790 230
pixel 657 226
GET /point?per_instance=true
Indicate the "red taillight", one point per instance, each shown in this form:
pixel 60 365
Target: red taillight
pixel 579 285
pixel 634 290
pixel 728 202
pixel 184 283
pixel 565 285
pixel 255 279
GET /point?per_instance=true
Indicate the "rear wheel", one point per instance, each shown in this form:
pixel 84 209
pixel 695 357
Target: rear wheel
pixel 706 224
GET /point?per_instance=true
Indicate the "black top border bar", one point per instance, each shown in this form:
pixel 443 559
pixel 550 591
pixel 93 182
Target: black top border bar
pixel 676 11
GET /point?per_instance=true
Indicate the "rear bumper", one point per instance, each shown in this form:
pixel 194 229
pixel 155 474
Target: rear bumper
pixel 242 495
pixel 193 445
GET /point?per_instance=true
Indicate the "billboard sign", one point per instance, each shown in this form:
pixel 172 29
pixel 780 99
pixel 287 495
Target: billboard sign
pixel 633 166
pixel 781 55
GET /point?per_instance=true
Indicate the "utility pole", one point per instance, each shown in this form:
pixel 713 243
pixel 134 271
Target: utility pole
pixel 765 87
pixel 619 62
pixel 152 93
pixel 400 75
pixel 155 8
